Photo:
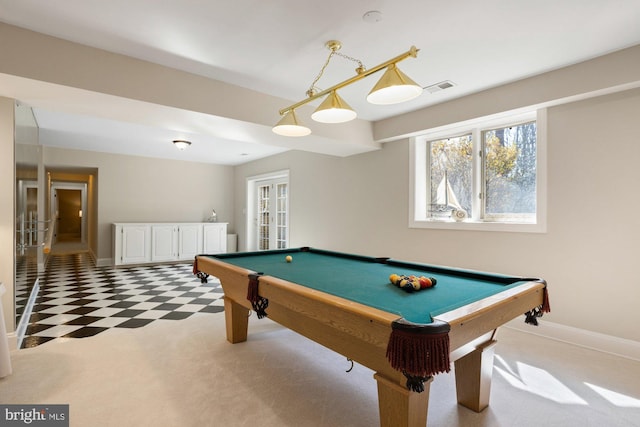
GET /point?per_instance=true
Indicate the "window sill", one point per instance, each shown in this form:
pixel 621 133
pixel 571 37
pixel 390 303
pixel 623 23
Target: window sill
pixel 471 225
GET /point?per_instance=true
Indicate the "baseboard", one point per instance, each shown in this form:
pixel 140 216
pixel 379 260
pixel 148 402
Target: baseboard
pixel 593 340
pixel 93 257
pixel 104 262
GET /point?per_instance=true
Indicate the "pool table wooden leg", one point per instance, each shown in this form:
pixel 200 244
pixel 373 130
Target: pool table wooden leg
pixel 400 407
pixel 473 377
pixel 237 321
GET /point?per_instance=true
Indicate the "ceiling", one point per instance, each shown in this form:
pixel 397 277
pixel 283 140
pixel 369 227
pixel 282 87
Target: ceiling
pixel 276 47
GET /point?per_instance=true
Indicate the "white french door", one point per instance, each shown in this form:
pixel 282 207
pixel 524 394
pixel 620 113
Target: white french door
pixel 272 209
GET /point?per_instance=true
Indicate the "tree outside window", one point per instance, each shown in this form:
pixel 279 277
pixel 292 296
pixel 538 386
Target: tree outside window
pixel 510 172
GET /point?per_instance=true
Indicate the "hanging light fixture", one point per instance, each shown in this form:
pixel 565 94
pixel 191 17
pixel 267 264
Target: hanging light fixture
pixel 394 87
pixel 181 144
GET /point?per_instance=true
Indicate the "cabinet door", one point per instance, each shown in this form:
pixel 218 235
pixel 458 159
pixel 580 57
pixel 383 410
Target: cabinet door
pixel 135 244
pixel 215 238
pixel 189 241
pixel 163 243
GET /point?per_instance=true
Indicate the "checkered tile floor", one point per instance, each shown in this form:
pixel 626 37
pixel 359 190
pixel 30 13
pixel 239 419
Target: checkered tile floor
pixel 26 275
pixel 77 300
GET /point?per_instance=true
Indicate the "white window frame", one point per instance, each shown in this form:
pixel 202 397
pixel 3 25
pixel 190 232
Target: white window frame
pixel 418 171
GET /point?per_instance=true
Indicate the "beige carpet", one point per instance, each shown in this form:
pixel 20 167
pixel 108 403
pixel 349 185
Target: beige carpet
pixel 184 373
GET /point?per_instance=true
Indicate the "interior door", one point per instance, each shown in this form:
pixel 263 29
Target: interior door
pixel 69 210
pixel 272 220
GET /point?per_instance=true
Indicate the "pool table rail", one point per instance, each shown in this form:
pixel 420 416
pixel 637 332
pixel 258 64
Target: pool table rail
pixel 487 314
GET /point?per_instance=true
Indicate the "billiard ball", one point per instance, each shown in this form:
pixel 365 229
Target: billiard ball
pixel 425 282
pixel 288 258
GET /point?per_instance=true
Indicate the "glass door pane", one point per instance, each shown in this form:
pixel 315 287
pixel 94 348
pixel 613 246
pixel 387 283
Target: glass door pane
pixel 282 217
pixel 264 216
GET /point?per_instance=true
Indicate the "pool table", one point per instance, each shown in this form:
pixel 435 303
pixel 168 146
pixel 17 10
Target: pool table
pixel 347 303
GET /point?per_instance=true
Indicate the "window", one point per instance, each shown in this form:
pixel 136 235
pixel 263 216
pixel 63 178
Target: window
pixel 509 173
pixel 450 165
pixel 481 175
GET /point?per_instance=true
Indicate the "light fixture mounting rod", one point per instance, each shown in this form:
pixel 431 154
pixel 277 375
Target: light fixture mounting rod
pixel 333 45
pixel 412 52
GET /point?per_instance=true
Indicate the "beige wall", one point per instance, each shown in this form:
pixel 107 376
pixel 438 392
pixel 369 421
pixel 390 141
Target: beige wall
pixel 360 204
pixel 133 189
pixel 7 189
pixel 593 213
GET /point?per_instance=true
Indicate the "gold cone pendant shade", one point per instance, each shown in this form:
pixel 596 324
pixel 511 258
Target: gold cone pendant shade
pixel 393 87
pixel 290 126
pixel 333 110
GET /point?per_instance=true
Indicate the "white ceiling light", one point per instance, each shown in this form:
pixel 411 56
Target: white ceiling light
pixel 181 144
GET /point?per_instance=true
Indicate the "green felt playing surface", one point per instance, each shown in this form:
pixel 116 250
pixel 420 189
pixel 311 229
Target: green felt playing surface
pixel 366 281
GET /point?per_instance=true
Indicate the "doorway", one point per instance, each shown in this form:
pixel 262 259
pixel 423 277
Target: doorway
pixel 268 211
pixel 68 206
pixel 69 219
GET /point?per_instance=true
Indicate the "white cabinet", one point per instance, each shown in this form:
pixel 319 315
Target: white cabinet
pixel 132 244
pixel 163 242
pixel 215 238
pixel 190 240
pixel 135 243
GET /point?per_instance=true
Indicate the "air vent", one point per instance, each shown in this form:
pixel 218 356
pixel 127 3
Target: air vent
pixel 439 86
